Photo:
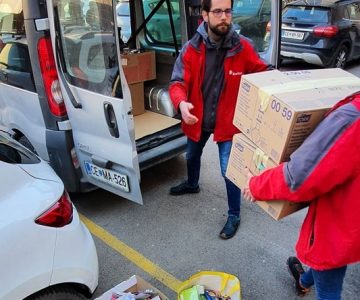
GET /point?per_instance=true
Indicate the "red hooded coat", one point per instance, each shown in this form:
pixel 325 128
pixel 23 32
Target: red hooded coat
pixel 325 171
pixel 188 76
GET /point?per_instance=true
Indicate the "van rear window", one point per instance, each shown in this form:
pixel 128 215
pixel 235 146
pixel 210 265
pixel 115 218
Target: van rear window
pixel 88 47
pixel 306 14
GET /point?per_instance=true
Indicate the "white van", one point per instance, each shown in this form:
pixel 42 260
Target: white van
pixel 118 111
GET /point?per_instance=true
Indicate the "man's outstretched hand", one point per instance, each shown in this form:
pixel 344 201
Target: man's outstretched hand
pixel 185 108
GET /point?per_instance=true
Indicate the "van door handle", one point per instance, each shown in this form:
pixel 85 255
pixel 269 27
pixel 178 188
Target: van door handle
pixel 111 119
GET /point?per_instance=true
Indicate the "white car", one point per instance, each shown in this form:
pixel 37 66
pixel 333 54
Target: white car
pixel 46 252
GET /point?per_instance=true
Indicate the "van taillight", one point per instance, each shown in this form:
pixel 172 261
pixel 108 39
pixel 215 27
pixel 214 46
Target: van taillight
pixel 50 77
pixel 58 215
pixel 326 31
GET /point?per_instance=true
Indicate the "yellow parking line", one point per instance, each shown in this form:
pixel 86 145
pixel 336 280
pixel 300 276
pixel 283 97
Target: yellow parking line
pixel 131 254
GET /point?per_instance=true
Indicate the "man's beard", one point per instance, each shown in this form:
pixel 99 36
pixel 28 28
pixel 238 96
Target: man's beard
pixel 220 29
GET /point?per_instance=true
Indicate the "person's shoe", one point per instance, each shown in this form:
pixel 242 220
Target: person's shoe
pixel 184 188
pixel 230 228
pixel 296 269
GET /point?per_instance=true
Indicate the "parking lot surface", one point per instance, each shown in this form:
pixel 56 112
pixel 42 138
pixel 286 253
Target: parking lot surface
pixel 170 238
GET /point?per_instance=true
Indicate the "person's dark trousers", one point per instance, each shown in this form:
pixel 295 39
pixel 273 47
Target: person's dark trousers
pixel 193 156
pixel 328 283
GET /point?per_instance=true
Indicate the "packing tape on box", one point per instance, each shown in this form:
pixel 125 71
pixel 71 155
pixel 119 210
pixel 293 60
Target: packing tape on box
pixel 260 159
pixel 265 92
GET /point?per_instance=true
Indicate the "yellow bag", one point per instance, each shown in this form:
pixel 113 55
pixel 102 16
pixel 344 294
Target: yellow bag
pixel 224 283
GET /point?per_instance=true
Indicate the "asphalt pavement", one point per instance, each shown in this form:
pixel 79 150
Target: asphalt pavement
pixel 175 237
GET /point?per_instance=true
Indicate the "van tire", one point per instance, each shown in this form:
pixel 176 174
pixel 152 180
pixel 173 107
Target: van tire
pixel 23 140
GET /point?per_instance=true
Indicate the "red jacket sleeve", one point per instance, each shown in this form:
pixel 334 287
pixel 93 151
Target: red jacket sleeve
pixel 256 63
pixel 178 89
pixel 328 158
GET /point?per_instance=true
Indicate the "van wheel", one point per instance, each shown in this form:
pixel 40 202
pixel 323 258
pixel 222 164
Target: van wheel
pixel 340 58
pixel 58 293
pixel 23 140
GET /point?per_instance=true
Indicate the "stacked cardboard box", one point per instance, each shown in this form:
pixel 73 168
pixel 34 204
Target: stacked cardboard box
pixel 276 111
pixel 245 154
pixel 138 67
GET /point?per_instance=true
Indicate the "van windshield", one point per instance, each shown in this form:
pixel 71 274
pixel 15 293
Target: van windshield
pixel 158 28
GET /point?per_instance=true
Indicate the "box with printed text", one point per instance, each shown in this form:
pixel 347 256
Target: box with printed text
pixel 245 154
pixel 278 110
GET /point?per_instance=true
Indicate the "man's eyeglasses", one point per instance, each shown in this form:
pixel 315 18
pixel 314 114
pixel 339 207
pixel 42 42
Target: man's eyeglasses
pixel 218 12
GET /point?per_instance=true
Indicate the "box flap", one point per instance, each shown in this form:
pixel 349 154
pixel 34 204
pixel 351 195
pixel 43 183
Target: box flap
pixel 134 283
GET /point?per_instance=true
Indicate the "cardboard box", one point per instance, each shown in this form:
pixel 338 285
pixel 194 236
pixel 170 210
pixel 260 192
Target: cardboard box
pixel 278 110
pixel 137 98
pixel 244 153
pixel 133 284
pixel 139 67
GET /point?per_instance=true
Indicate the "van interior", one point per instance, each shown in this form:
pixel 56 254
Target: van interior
pixel 89 60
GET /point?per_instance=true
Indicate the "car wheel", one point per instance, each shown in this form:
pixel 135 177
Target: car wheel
pixel 341 58
pixel 23 140
pixel 58 293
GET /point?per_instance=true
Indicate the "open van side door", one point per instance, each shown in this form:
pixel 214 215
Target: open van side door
pixel 97 98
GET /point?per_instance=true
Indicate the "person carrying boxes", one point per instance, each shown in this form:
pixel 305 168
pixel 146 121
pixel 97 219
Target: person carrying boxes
pixel 325 172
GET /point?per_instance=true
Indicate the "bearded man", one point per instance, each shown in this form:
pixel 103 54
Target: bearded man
pixel 204 88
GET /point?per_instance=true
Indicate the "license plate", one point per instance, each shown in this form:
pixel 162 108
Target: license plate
pixel 107 176
pixel 293 35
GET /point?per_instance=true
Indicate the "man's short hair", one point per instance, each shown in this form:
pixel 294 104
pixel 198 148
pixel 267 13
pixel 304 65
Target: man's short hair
pixel 206 5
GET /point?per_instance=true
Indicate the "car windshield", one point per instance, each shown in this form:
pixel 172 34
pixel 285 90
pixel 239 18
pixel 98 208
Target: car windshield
pixel 247 7
pixel 306 14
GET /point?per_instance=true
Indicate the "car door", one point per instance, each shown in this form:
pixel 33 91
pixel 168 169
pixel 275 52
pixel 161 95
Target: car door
pixel 97 99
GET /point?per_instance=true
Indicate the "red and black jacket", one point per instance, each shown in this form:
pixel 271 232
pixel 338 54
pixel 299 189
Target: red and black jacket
pixel 325 171
pixel 188 75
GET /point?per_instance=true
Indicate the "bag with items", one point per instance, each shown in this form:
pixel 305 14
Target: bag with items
pixel 210 285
